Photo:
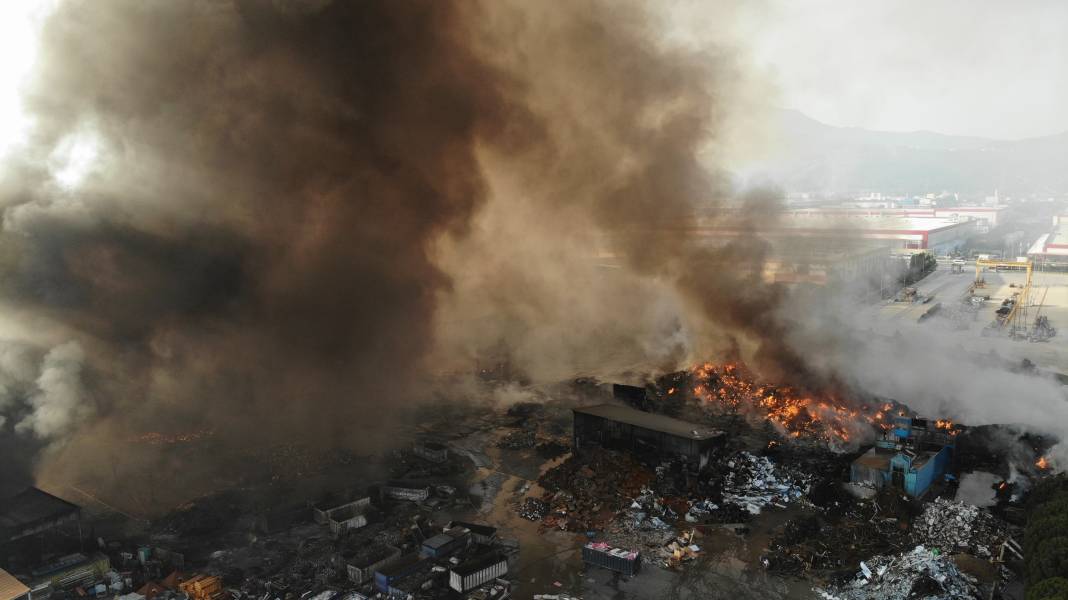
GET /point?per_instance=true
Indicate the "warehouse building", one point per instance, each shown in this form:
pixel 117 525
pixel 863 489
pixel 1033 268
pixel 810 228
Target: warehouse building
pixel 614 426
pixel 34 511
pixel 389 576
pixel 986 217
pixel 343 517
pixel 1050 250
pixel 362 564
pixel 446 543
pixel 937 234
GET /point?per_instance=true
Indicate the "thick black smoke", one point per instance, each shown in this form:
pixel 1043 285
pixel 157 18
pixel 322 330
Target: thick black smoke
pixel 249 248
pixel 247 217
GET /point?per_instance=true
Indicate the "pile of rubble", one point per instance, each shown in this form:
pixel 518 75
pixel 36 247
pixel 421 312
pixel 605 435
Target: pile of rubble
pixel 956 526
pixel 921 574
pixel 586 492
pixel 835 539
pixel 533 509
pixel 517 440
pixel 754 482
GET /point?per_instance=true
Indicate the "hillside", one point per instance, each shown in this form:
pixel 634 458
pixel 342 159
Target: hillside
pixel 813 156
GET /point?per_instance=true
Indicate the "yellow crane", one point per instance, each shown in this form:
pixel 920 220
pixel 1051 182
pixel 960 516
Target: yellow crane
pixel 1021 297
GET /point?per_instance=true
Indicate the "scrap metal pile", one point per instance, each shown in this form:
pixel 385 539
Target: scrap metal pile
pixel 658 511
pixel 754 482
pixel 920 574
pixel 956 526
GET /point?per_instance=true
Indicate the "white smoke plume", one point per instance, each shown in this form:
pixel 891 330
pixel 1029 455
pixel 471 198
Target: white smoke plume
pixel 59 403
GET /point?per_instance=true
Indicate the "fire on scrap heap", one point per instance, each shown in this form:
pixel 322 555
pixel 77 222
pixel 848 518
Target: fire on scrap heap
pixel 642 483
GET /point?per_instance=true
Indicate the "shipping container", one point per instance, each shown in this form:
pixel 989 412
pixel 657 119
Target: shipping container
pixel 477 571
pixel 600 554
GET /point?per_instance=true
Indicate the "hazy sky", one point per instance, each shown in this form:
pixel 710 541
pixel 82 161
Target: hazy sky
pixel 973 67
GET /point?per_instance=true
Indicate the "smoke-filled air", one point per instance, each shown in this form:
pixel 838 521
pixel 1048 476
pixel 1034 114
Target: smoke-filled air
pixel 292 220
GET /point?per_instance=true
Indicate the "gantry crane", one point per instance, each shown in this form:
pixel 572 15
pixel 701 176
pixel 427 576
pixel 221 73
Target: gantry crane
pixel 1021 297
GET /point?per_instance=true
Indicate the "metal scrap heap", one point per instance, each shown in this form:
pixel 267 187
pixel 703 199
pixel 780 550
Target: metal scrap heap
pixel 954 526
pixel 754 482
pixel 921 574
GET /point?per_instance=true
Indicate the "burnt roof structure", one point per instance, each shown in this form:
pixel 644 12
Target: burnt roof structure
pixel 614 426
pixel 650 421
pixel 31 511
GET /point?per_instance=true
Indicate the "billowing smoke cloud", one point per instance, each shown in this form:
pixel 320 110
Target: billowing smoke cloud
pixel 944 376
pixel 247 214
pixel 273 219
pixel 227 209
pixel 59 404
pixel 585 258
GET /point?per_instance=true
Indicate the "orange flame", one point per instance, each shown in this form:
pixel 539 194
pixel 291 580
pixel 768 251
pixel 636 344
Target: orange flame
pixel 1042 463
pixel 729 388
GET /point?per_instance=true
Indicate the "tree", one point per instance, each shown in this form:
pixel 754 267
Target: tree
pixel 1050 559
pixel 1053 588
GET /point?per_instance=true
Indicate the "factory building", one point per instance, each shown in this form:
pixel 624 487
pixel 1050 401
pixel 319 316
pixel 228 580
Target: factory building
pixel 915 454
pixel 614 426
pixel 1050 250
pixel 986 217
pixel 936 234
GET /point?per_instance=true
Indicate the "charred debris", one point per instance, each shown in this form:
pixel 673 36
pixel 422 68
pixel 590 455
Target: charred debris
pixel 857 499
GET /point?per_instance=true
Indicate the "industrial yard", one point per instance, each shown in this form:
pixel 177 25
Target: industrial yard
pixel 968 327
pixel 764 500
pixel 517 299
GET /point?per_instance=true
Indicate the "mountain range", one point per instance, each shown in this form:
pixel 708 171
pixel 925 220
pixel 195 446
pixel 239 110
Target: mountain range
pixel 811 156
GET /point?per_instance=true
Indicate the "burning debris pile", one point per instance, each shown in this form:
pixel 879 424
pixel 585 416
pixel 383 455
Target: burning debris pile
pixel 831 417
pixel 956 526
pixel 754 482
pixel 921 574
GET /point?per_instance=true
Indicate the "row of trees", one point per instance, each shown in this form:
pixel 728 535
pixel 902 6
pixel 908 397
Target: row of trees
pixel 1046 540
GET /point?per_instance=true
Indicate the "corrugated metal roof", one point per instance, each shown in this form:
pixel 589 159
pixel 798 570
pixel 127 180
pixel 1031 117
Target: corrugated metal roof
pixel 30 508
pixel 655 422
pixel 10 588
